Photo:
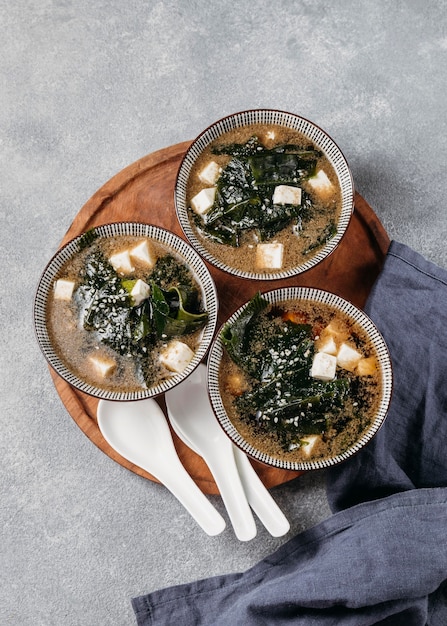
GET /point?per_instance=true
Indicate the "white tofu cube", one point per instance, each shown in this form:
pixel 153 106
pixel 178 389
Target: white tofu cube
pixel 323 366
pixel 210 173
pixel 348 357
pixel 63 289
pixel 176 356
pixel 143 254
pixel 121 262
pixel 308 444
pixel 321 184
pixel 286 194
pixel 103 366
pixel 204 200
pixel 269 256
pixel 327 344
pixel 140 292
pixel 367 366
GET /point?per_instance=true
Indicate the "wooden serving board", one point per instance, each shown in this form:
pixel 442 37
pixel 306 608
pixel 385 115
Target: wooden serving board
pixel 144 192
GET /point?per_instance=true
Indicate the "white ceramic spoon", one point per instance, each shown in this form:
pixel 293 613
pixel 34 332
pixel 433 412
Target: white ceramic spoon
pixel 259 497
pixel 140 433
pixel 188 413
pixel 183 407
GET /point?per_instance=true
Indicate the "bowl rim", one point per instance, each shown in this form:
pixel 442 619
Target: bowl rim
pixel 187 162
pixel 131 228
pixel 386 369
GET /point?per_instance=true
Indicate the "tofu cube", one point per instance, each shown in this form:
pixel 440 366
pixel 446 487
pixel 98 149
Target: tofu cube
pixel 269 256
pixel 103 366
pixel 321 184
pixel 143 254
pixel 323 366
pixel 308 444
pixel 286 194
pixel 210 173
pixel 176 356
pixel 367 366
pixel 122 263
pixel 348 357
pixel 335 330
pixel 63 289
pixel 204 200
pixel 140 292
pixel 327 344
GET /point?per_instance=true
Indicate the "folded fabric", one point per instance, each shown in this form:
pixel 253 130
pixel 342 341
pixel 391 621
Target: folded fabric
pixel 375 563
pixel 408 304
pixel 382 557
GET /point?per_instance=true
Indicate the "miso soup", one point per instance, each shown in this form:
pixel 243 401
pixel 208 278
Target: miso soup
pixel 300 380
pixel 263 199
pixel 125 313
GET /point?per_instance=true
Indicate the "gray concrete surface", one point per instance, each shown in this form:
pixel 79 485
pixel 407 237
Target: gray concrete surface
pixel 87 88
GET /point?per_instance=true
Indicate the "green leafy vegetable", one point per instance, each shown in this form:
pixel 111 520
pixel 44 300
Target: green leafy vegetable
pixel 235 335
pixel 280 168
pixel 170 312
pixel 173 309
pixel 168 271
pixel 245 188
pixel 87 238
pixel 276 356
pixel 326 235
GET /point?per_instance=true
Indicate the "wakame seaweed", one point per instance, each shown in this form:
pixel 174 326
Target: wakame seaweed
pixel 87 238
pixel 326 235
pixel 245 188
pixel 276 355
pixel 173 307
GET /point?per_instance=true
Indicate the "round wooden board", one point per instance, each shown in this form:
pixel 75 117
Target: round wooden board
pixel 144 192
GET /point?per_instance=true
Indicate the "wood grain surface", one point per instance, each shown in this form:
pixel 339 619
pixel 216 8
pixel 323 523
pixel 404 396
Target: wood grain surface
pixel 144 192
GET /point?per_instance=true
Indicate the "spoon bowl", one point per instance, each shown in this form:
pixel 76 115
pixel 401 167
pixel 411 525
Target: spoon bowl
pixel 139 432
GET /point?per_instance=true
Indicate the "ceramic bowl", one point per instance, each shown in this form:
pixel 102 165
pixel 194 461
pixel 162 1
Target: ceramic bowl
pixel 276 120
pixel 174 244
pixel 384 369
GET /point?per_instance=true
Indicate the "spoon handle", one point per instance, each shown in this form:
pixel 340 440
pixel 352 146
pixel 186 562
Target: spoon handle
pixel 259 497
pixel 177 480
pixel 225 473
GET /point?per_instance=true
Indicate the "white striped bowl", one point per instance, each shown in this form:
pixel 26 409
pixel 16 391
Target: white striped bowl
pixel 171 241
pixel 266 116
pixel 315 295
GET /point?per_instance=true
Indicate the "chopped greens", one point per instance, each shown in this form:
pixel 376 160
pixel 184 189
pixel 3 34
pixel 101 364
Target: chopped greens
pixel 245 188
pixel 173 307
pixel 87 238
pixel 275 354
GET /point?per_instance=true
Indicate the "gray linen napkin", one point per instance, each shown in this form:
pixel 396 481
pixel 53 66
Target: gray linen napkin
pixel 408 304
pixel 382 557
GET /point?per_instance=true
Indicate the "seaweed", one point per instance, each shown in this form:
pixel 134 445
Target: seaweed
pixel 107 308
pixel 245 188
pixel 326 235
pixel 235 335
pixel 168 271
pixel 276 356
pixel 87 238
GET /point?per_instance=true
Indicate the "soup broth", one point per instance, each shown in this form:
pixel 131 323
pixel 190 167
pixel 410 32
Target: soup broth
pixel 278 395
pixel 269 156
pixel 125 313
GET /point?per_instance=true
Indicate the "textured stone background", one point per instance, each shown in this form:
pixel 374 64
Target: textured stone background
pixel 87 88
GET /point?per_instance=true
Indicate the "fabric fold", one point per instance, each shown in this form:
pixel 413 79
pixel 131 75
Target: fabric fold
pixel 381 558
pixel 408 304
